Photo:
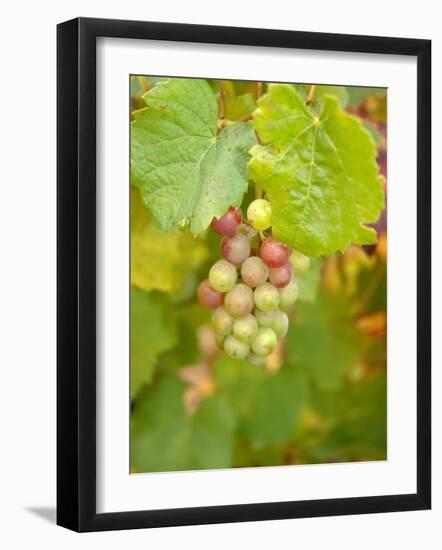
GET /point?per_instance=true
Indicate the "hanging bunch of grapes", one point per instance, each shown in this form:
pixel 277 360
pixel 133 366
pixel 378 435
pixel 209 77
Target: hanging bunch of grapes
pixel 253 286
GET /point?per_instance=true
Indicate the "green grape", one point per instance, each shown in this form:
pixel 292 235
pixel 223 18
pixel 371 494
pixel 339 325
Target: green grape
pixel 222 322
pixel 239 301
pixel 265 318
pixel 264 342
pixel 223 276
pixel 300 263
pixel 245 328
pixel 259 214
pixel 236 349
pixel 280 324
pixel 288 295
pixel 256 360
pixel 266 297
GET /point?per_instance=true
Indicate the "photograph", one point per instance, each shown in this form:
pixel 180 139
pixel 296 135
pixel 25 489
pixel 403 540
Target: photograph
pixel 258 273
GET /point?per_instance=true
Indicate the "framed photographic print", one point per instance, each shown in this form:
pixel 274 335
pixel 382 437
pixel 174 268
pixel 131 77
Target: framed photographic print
pixel 236 341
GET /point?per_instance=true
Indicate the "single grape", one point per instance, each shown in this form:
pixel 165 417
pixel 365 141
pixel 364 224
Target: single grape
pixel 256 360
pixel 245 328
pixel 248 231
pixel 265 318
pixel 254 271
pixel 266 297
pixel 288 295
pixel 222 276
pixel 259 214
pixel 236 349
pixel 300 263
pixel 222 322
pixel 235 249
pixel 239 301
pixel 208 296
pixel 228 223
pixel 274 253
pixel 264 342
pixel 280 324
pixel 281 276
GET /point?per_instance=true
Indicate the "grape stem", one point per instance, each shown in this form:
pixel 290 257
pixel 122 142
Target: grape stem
pixel 258 95
pixel 143 83
pixel 222 102
pixel 311 95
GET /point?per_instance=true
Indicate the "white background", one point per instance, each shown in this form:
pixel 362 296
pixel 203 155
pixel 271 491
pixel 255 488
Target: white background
pixel 117 490
pixel 27 304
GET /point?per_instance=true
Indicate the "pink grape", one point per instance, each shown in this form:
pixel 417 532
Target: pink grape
pixel 228 223
pixel 254 272
pixel 281 276
pixel 274 253
pixel 209 297
pixel 235 249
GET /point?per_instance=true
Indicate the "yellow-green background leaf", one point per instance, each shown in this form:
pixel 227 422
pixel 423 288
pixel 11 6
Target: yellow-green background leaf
pixel 159 260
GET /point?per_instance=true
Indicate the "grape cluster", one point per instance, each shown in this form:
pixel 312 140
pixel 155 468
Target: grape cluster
pixel 252 287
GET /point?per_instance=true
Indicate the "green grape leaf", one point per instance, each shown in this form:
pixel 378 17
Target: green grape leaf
pixel 323 340
pixel 183 168
pixel 308 282
pixel 319 172
pixel 161 261
pixel 165 438
pixel 266 405
pixel 152 332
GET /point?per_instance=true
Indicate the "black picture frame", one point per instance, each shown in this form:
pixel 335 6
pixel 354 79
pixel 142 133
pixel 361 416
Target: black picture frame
pixel 76 274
